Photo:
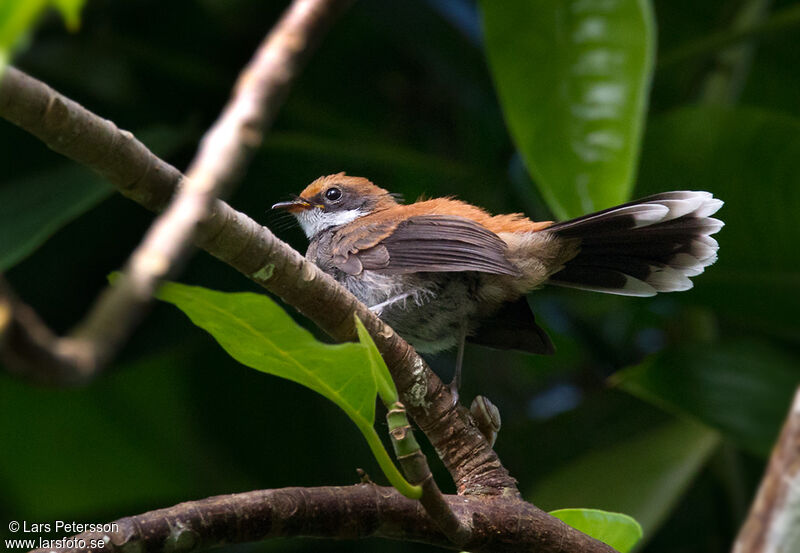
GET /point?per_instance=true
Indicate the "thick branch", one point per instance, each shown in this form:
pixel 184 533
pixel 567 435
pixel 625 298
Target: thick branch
pixel 221 160
pixel 253 250
pixel 773 524
pixel 500 524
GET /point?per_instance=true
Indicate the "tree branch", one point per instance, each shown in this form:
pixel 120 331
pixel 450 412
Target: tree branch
pixel 220 162
pixel 500 524
pixel 773 524
pixel 254 251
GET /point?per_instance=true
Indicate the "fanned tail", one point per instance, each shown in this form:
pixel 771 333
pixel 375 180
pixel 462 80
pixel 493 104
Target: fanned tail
pixel 643 247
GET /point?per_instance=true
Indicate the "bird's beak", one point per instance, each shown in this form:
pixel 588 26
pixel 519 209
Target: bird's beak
pixel 295 206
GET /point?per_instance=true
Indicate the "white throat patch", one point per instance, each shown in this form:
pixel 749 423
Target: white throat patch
pixel 315 220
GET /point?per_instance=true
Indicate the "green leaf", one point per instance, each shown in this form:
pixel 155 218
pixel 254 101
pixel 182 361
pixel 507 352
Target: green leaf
pixel 380 372
pixel 573 78
pixel 255 331
pixel 615 529
pixel 643 476
pixel 743 389
pixel 17 18
pixel 750 159
pixel 70 11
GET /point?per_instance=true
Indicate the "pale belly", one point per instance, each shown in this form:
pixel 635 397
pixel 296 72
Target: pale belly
pixel 431 309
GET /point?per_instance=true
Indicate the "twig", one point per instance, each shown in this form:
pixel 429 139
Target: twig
pixel 773 524
pixel 415 466
pixel 500 524
pixel 220 162
pixel 253 250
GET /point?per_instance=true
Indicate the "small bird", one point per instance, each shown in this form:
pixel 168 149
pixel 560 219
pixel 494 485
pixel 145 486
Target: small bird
pixel 443 271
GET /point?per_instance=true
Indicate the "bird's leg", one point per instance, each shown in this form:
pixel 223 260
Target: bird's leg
pixel 379 307
pixel 455 384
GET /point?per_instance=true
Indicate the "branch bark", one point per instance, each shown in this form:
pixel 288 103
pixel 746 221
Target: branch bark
pixel 773 524
pixel 500 524
pixel 253 250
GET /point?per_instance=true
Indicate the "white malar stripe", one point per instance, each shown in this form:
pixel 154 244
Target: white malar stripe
pixel 315 220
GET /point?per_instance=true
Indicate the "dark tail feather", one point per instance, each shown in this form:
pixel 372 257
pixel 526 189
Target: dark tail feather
pixel 640 248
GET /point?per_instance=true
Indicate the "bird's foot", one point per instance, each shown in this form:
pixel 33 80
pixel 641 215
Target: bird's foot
pixel 487 417
pixel 453 386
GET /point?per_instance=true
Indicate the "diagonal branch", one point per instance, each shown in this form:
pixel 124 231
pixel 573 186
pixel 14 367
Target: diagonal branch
pixel 220 162
pixel 253 250
pixel 500 524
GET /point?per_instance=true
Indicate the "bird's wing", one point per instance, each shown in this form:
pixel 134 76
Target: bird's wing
pixel 427 243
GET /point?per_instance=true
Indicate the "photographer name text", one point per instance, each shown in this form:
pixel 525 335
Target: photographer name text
pixel 59 527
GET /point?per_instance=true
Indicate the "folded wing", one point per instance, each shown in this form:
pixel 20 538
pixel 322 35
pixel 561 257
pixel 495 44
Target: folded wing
pixel 429 243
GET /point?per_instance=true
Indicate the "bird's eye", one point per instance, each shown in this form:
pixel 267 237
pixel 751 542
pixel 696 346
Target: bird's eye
pixel 333 194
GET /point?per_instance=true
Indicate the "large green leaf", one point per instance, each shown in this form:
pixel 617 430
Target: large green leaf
pixel 751 160
pixel 643 476
pixel 255 331
pixel 18 16
pixel 743 389
pixel 573 79
pixel 615 529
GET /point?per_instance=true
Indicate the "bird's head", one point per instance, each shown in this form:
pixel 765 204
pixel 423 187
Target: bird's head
pixel 336 200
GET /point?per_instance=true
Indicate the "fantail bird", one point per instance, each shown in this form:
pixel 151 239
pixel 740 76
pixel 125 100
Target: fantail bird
pixel 441 271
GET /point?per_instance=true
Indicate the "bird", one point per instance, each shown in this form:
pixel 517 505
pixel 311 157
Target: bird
pixel 442 271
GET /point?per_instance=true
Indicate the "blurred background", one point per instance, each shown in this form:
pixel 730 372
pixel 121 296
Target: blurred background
pixel 663 408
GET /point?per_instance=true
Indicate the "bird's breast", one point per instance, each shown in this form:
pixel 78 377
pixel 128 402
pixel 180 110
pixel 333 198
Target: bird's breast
pixel 369 287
